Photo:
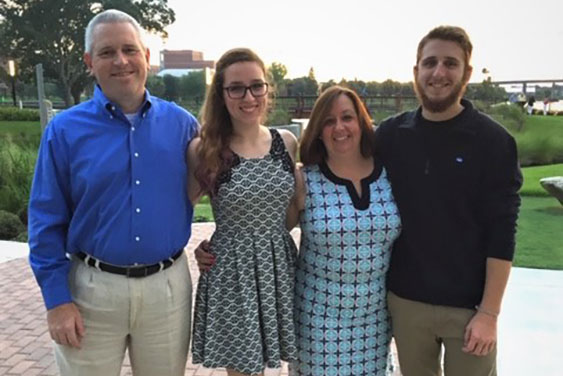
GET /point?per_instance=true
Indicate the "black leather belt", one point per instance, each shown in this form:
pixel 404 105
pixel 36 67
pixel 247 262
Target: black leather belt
pixel 129 271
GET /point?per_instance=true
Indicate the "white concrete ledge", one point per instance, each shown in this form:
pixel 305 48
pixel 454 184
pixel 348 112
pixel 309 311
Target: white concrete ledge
pixel 12 250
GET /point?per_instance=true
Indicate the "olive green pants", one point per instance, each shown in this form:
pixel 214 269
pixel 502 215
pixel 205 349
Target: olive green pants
pixel 421 331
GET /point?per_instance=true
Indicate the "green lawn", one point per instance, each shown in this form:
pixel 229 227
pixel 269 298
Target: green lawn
pixel 202 212
pixel 28 127
pixel 538 240
pixel 540 224
pixel 532 176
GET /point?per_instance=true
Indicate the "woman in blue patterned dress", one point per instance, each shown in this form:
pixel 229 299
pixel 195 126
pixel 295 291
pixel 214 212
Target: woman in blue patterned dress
pixel 243 317
pixel 349 221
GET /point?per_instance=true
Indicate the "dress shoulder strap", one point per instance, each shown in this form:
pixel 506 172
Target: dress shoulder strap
pixel 279 151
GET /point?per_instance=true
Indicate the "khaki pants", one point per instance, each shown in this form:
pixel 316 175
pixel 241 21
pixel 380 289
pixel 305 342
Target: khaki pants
pixel 420 331
pixel 150 316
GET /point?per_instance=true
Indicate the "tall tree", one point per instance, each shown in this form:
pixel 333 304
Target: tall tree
pixel 171 88
pixel 277 71
pixel 302 86
pixel 51 32
pixel 311 75
pixel 155 85
pixel 390 87
pixel 192 85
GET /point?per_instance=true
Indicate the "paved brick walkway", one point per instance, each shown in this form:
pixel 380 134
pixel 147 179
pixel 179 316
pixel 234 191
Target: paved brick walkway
pixel 25 345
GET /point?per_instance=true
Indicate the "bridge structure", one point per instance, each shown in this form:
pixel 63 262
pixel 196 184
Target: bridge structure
pixel 526 83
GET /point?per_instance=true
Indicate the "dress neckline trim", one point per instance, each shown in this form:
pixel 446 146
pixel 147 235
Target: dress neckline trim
pixel 360 203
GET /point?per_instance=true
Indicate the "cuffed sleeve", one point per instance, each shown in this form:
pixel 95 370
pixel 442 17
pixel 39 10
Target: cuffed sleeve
pixel 49 215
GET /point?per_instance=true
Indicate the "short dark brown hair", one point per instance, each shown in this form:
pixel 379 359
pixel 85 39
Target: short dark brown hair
pixel 448 33
pixel 312 148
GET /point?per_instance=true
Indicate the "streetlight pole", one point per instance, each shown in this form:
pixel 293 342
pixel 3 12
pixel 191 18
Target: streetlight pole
pixel 12 71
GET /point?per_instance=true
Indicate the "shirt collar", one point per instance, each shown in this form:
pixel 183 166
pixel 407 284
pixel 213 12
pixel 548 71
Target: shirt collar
pixel 104 102
pixel 414 116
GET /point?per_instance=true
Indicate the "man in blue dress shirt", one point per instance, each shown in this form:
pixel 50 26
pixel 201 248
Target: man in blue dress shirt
pixel 109 217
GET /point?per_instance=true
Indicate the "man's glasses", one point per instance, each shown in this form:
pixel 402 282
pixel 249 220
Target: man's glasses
pixel 258 89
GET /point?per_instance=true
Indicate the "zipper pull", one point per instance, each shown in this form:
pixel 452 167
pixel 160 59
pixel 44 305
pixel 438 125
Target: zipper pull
pixel 427 167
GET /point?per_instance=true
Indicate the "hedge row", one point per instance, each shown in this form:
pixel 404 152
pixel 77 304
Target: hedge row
pixel 15 114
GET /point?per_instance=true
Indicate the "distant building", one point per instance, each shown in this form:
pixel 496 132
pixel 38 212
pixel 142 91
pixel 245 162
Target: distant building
pixel 184 59
pixel 181 62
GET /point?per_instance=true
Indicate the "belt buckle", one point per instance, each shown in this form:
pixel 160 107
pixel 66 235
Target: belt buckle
pixel 134 272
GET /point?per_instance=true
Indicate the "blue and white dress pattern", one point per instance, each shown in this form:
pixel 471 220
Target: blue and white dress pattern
pixel 243 317
pixel 342 323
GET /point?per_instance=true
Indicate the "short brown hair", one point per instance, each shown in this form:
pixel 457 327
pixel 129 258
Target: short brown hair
pixel 448 33
pixel 312 148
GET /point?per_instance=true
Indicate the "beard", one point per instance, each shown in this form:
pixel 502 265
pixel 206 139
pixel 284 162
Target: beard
pixel 439 105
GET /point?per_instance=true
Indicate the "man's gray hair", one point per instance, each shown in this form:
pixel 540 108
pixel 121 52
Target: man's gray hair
pixel 109 16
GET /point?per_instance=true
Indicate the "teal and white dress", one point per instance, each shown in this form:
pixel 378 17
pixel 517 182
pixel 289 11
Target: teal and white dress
pixel 341 318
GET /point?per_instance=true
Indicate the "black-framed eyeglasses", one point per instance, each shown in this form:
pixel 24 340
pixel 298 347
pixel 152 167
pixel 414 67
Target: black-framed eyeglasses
pixel 258 89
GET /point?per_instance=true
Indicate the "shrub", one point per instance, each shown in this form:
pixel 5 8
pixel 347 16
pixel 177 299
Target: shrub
pixel 278 117
pixel 481 105
pixel 22 237
pixel 16 172
pixel 509 115
pixel 22 215
pixel 10 225
pixel 539 150
pixel 192 106
pixel 24 133
pixel 15 114
pixel 539 138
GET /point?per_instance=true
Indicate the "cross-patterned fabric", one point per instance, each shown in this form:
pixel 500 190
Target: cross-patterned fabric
pixel 342 323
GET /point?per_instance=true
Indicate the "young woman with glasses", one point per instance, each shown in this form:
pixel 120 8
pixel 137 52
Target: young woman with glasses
pixel 243 317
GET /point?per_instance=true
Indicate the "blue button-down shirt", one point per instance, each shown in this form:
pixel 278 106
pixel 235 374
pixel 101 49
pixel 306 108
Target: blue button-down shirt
pixel 113 189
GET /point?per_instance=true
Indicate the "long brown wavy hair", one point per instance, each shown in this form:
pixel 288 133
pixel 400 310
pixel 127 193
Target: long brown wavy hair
pixel 213 151
pixel 312 149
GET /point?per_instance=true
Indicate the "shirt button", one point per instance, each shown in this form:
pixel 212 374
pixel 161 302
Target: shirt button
pixel 137 239
pixel 136 155
pixel 137 182
pixel 111 117
pixel 138 210
pixel 113 108
pixel 132 129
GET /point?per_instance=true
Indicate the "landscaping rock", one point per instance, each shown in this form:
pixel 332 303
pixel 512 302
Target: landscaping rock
pixel 554 186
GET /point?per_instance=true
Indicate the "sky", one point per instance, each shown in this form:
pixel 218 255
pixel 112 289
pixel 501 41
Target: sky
pixel 371 40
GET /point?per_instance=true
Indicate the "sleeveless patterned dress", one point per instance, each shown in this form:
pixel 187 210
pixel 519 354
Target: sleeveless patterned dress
pixel 243 315
pixel 342 323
